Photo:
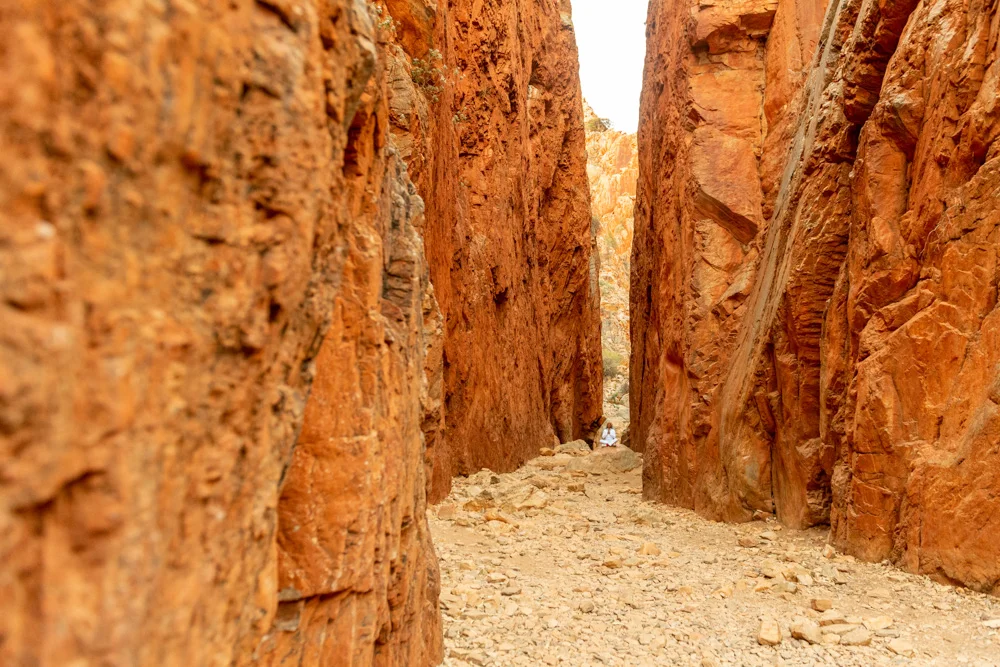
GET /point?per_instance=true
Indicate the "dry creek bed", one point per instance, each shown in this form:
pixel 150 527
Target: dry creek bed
pixel 562 563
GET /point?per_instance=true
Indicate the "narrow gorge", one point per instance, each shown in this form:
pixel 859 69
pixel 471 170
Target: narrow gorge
pixel 613 169
pixel 312 312
pixel 273 272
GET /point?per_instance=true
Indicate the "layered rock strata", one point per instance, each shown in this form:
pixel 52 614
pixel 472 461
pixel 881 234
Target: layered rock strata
pixel 814 277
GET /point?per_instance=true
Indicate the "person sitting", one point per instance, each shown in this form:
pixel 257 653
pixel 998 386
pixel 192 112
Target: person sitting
pixel 608 436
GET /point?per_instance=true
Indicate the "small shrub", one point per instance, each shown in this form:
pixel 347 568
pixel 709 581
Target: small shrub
pixel 613 363
pixel 599 125
pixel 428 74
pixel 384 22
pixel 620 397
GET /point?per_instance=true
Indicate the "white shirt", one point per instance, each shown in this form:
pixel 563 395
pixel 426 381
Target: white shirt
pixel 609 437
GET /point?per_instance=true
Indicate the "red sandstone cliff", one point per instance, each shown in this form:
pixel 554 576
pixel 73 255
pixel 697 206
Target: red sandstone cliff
pixel 191 200
pixel 205 214
pixel 814 285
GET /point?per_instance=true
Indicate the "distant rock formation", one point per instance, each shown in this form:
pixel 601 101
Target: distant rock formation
pixel 613 167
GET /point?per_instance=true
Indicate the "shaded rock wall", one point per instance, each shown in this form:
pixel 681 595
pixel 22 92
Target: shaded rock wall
pixel 613 168
pixel 207 212
pixel 512 252
pixel 814 305
pixel 700 218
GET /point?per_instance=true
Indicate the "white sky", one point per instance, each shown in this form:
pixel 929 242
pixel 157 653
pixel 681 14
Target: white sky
pixel 611 36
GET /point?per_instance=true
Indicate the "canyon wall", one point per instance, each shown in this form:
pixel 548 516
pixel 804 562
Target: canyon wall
pixel 226 385
pixel 515 265
pixel 613 168
pixel 814 274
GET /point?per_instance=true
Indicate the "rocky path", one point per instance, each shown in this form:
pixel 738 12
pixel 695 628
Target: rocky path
pixel 562 563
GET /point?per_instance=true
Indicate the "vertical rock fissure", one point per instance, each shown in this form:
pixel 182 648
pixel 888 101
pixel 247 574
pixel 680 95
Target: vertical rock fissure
pixel 612 168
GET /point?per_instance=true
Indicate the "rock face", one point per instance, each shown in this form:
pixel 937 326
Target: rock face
pixel 814 274
pixel 191 202
pixel 207 212
pixel 512 252
pixel 700 216
pixel 613 167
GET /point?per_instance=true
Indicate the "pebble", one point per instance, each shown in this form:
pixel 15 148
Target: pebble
pixel 649 549
pixel 831 617
pixel 856 637
pixel 878 623
pixel 807 630
pixel 902 647
pixel 822 604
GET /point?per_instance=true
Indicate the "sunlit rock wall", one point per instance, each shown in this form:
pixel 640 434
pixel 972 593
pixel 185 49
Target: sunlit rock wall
pixel 613 167
pixel 200 213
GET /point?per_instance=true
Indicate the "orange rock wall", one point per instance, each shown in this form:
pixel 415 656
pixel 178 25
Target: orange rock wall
pixel 813 305
pixel 190 200
pixel 915 313
pixel 512 252
pixel 194 199
pixel 207 213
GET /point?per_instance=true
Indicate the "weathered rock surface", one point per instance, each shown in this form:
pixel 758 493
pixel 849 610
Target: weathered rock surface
pixel 915 313
pixel 192 200
pixel 511 247
pixel 357 575
pixel 207 213
pixel 814 274
pixel 700 213
pixel 613 167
